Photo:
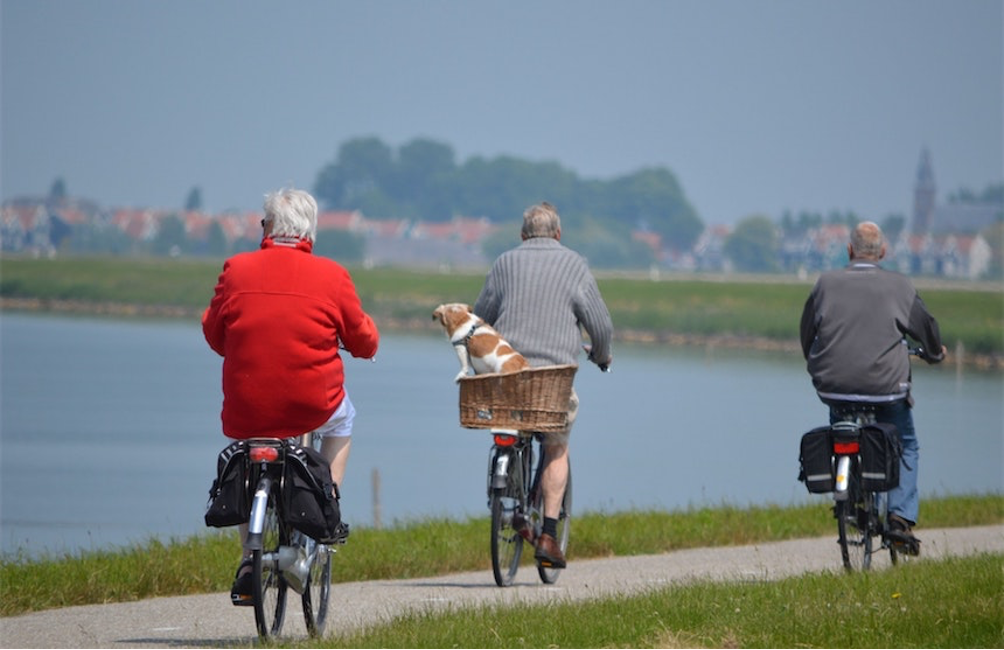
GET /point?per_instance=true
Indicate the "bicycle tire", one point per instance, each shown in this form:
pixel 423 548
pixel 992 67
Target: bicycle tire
pixel 318 590
pixel 549 575
pixel 855 527
pixel 506 540
pixel 269 588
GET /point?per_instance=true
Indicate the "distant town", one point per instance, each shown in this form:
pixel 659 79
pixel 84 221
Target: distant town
pixel 942 240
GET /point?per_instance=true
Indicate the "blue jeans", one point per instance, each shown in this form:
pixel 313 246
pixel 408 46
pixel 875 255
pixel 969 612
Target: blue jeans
pixel 905 499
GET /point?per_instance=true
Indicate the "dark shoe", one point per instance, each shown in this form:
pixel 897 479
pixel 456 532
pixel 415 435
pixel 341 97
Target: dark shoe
pixel 522 526
pixel 901 535
pixel 240 592
pixel 548 553
pixel 341 535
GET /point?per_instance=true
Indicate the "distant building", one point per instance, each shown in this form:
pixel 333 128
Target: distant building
pixel 929 218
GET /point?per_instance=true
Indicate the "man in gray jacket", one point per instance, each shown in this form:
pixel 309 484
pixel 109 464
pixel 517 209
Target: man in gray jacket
pixel 853 333
pixel 540 296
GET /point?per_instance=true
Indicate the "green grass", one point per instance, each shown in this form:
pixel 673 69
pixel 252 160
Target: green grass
pixel 948 603
pixel 955 603
pixel 764 307
pixel 205 563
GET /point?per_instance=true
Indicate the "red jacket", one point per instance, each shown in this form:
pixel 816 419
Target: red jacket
pixel 276 319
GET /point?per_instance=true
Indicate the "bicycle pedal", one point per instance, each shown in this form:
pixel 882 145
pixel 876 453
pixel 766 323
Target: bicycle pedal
pixel 241 601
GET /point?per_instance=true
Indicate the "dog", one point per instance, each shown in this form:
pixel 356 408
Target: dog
pixel 479 347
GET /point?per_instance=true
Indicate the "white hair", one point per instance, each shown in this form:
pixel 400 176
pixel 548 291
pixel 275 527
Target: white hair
pixel 292 213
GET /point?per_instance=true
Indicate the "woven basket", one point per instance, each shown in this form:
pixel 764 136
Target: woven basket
pixel 534 399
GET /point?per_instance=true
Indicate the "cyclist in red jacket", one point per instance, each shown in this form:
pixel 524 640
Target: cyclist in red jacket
pixel 278 318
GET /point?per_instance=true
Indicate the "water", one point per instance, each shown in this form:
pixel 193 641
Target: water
pixel 109 431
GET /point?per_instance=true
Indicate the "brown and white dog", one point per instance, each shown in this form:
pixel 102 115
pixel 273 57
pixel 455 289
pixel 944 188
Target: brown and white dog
pixel 478 345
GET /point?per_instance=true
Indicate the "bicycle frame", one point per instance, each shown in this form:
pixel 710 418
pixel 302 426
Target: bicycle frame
pixel 515 502
pixel 282 557
pixel 861 514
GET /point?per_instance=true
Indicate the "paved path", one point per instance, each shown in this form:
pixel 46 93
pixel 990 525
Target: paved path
pixel 209 620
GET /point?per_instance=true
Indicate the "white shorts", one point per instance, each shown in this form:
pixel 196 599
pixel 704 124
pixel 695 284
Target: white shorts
pixel 340 423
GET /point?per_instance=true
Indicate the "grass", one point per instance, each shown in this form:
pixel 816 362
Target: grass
pixel 765 307
pixel 205 563
pixel 955 603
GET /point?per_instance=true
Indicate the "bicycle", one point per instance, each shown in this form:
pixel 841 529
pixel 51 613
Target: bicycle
pixel 857 459
pixel 515 502
pixel 862 514
pixel 282 558
pixel 518 408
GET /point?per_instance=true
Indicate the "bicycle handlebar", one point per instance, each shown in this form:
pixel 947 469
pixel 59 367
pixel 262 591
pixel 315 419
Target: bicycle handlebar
pixel 604 367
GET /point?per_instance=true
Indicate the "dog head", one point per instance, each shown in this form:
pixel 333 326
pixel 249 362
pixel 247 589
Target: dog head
pixel 452 315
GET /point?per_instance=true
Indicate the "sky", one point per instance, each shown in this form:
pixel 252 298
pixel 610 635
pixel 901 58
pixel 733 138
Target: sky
pixel 756 106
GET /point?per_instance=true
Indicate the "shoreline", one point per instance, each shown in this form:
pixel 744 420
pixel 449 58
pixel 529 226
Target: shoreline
pixel 651 337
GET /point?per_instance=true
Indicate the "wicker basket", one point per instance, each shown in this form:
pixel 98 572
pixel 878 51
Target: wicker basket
pixel 535 399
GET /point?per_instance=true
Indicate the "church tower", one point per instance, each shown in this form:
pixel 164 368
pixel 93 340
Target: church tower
pixel 923 196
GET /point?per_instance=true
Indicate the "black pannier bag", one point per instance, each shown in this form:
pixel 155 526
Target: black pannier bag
pixel 881 450
pixel 309 495
pixel 816 461
pixel 229 500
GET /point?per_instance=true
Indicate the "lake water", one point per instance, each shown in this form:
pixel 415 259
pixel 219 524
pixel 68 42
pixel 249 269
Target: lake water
pixel 109 431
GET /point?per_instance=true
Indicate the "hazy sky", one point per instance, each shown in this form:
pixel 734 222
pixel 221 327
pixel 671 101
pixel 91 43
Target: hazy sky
pixel 756 106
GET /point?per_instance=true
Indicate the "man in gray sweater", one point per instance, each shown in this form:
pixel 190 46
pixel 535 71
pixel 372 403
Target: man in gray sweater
pixel 853 333
pixel 540 296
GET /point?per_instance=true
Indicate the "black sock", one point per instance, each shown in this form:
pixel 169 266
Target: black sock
pixel 550 527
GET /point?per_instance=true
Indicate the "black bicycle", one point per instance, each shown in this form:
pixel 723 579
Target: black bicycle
pixel 861 511
pixel 858 460
pixel 516 502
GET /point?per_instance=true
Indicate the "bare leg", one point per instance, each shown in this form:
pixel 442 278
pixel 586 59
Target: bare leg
pixel 336 450
pixel 554 478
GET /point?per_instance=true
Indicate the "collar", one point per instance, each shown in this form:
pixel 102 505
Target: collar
pixel 467 337
pixel 304 245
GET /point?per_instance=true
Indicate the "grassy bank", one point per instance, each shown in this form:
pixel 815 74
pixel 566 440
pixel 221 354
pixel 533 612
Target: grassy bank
pixel 737 310
pixel 949 603
pixel 205 563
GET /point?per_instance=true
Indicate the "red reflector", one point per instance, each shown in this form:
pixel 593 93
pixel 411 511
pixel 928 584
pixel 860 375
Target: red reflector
pixel 264 454
pixel 846 447
pixel 504 440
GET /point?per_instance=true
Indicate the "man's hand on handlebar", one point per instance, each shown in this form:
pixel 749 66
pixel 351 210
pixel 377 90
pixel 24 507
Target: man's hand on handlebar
pixel 605 366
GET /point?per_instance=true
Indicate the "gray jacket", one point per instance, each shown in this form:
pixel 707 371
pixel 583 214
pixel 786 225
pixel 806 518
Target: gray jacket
pixel 853 329
pixel 538 295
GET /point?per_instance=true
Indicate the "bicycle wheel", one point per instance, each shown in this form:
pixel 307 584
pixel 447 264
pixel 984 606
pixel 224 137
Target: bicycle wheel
pixel 855 527
pixel 506 541
pixel 549 575
pixel 315 596
pixel 269 585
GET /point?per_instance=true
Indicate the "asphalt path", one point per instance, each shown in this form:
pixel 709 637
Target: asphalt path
pixel 209 620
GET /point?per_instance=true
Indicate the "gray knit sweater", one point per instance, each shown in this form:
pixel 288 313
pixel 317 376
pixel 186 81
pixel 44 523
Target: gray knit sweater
pixel 538 296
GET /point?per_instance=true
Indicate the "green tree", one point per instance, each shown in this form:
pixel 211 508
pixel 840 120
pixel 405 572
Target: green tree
pixel 653 198
pixel 341 246
pixel 995 237
pixel 753 245
pixel 57 192
pixel 193 202
pixel 364 168
pixel 893 226
pixel 216 241
pixel 170 237
pixel 424 178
